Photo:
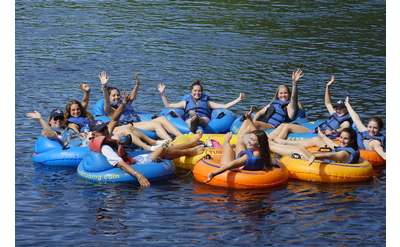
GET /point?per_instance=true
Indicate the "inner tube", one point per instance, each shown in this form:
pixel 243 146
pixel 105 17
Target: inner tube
pixel 51 153
pixel 372 157
pixel 332 172
pixel 95 168
pixel 238 178
pixel 220 121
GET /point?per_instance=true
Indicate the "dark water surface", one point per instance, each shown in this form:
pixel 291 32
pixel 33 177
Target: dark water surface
pixel 233 47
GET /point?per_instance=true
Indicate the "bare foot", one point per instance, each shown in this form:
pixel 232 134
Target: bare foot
pixel 193 123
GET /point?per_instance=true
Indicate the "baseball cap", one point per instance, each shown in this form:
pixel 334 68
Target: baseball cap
pixel 56 113
pixel 340 104
pixel 97 126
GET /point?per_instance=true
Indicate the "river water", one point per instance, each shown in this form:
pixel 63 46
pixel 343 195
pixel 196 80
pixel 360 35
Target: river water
pixel 233 47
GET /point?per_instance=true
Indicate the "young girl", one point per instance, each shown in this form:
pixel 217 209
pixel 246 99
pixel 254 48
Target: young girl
pixel 345 152
pixel 283 108
pixel 338 120
pixel 112 99
pixel 197 105
pixel 370 136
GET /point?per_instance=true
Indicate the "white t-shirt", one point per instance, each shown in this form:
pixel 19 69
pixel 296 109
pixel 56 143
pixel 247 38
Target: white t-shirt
pixel 112 157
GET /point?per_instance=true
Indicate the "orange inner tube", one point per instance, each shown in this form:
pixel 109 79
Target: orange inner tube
pixel 238 178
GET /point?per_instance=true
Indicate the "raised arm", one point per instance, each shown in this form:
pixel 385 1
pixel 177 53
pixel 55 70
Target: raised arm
pixel 261 112
pixel 135 89
pixel 117 114
pixel 104 80
pixel 293 104
pixel 161 90
pixel 86 91
pixel 46 129
pixel 354 116
pixel 214 105
pixel 328 102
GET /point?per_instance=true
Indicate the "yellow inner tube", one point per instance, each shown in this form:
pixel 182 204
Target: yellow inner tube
pixel 185 162
pixel 320 171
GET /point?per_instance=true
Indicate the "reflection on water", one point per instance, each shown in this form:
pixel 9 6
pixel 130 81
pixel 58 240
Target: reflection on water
pixel 232 47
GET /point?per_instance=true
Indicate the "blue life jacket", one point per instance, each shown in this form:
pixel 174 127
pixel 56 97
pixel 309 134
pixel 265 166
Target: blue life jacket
pixel 67 137
pixel 82 122
pixel 200 107
pixel 279 114
pixel 252 163
pixel 361 136
pixel 334 121
pixel 354 154
pixel 129 115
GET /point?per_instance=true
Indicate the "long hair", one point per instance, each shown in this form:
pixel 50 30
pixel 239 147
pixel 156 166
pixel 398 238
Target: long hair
pixel 280 87
pixel 264 148
pixel 84 113
pixel 353 137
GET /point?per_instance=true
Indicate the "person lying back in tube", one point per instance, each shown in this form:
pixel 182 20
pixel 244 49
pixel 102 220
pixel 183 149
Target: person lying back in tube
pixel 56 129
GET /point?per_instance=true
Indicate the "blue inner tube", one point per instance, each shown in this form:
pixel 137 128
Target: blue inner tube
pixel 51 153
pixel 95 168
pixel 220 122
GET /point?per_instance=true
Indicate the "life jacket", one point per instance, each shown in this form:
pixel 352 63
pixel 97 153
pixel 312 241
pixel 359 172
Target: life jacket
pixel 70 138
pixel 82 122
pixel 129 115
pixel 362 136
pixel 252 163
pixel 354 154
pixel 277 113
pixel 334 121
pixel 96 144
pixel 201 107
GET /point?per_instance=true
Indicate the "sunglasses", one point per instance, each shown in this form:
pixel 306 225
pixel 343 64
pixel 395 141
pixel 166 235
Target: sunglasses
pixel 58 118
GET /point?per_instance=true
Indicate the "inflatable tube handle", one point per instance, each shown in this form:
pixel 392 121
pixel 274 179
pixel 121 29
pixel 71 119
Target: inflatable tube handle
pixel 296 156
pixel 325 149
pixel 220 115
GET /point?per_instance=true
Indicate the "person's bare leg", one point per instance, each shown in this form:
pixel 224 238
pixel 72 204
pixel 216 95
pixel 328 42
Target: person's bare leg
pixel 173 153
pixel 289 150
pixel 155 126
pixel 142 136
pixel 376 146
pixel 188 144
pixel 315 141
pixel 228 154
pixel 168 126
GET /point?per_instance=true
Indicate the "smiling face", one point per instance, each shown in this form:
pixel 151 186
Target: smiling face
pixel 341 111
pixel 373 128
pixel 283 93
pixel 196 92
pixel 345 139
pixel 57 122
pixel 114 96
pixel 75 110
pixel 251 141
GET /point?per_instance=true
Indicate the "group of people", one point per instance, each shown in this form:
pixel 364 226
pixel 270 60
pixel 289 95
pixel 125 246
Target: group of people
pixel 76 126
